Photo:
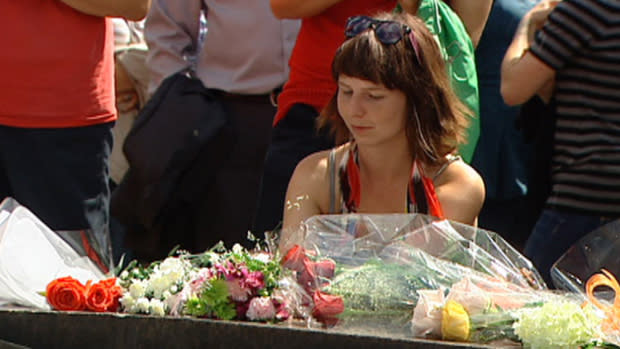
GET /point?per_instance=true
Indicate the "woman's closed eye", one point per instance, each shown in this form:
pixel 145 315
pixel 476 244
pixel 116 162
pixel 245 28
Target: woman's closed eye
pixel 346 92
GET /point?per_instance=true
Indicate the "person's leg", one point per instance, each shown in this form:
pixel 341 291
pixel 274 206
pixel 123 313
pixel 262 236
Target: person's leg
pixel 61 175
pixel 293 138
pixel 509 218
pixel 5 188
pixel 554 233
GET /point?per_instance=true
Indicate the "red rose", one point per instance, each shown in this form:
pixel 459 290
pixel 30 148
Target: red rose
pixel 326 307
pixel 295 258
pixel 307 277
pixel 66 293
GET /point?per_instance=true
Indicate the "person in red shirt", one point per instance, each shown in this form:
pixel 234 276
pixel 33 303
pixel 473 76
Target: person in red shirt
pixel 57 109
pixel 309 88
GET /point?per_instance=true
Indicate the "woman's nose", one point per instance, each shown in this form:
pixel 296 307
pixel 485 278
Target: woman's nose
pixel 357 107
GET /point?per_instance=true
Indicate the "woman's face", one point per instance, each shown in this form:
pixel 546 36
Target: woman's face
pixel 373 113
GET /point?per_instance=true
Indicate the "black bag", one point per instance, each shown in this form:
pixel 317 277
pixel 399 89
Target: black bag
pixel 181 123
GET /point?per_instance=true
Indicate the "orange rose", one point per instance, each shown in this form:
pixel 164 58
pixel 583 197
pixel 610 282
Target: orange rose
pixel 66 293
pixel 103 296
pixel 115 292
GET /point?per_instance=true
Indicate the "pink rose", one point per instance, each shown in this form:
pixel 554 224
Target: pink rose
pixel 261 308
pixel 237 291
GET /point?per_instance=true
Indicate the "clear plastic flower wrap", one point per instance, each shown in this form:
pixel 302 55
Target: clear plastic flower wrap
pixel 590 268
pixel 382 262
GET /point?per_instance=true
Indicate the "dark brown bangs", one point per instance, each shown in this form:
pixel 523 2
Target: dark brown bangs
pixel 364 57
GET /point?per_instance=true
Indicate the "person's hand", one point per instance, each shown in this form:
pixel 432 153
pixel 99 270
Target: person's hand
pixel 410 6
pixel 537 17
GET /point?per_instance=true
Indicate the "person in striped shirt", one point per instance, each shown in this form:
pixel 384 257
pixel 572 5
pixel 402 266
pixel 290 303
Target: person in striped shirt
pixel 572 48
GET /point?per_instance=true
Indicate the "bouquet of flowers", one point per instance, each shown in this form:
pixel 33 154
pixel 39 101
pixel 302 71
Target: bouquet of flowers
pixel 23 276
pixel 220 284
pixel 492 311
pixel 384 263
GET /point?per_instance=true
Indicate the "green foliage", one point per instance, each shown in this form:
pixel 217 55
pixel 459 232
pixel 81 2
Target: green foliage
pixel 213 301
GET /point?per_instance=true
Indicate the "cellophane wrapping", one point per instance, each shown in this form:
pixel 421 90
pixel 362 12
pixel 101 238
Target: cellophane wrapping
pixel 32 255
pixel 385 264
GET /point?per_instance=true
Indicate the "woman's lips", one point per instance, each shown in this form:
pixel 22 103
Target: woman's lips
pixel 361 128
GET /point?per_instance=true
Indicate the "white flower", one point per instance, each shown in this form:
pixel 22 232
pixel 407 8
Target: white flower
pixel 173 289
pixel 128 302
pixel 157 307
pixel 142 305
pixel 263 257
pixel 237 248
pixel 172 265
pixel 158 284
pixel 137 288
pixel 124 275
pixel 261 308
pixel 166 295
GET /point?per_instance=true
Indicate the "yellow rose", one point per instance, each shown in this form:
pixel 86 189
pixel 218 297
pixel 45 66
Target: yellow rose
pixel 454 322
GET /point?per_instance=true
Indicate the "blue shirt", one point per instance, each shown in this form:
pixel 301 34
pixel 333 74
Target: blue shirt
pixel 501 156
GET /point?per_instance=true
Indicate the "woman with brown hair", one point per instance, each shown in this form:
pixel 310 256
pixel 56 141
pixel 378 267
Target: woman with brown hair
pixel 397 122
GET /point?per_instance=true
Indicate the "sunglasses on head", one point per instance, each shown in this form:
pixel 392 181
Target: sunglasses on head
pixel 387 32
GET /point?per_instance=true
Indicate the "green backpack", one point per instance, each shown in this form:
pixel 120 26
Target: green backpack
pixel 458 52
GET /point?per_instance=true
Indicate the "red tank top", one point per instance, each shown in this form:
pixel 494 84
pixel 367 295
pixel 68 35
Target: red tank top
pixel 310 80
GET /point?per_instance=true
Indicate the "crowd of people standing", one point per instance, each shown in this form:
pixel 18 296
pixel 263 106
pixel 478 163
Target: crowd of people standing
pixel 496 113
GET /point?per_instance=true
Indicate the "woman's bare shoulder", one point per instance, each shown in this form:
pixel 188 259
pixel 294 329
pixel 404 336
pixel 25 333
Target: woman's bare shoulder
pixel 316 165
pixel 461 192
pixel 461 175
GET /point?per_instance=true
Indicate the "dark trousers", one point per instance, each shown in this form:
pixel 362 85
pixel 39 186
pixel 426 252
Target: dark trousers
pixel 61 175
pixel 221 209
pixel 555 232
pixel 294 138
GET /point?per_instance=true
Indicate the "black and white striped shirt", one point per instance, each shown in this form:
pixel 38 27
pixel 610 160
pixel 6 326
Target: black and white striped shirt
pixel 581 41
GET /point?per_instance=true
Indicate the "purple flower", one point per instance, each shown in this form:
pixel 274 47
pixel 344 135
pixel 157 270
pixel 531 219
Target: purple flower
pixel 255 280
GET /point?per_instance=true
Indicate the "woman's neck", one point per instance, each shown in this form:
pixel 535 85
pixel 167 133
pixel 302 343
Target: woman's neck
pixel 386 162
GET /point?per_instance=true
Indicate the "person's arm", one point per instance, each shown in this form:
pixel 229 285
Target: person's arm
pixel 307 187
pixel 523 74
pixel 461 192
pixel 293 9
pixel 171 32
pixel 474 15
pixel 133 10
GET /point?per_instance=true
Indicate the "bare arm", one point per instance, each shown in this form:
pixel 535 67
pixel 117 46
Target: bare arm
pixel 523 74
pixel 134 10
pixel 306 189
pixel 474 15
pixel 300 8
